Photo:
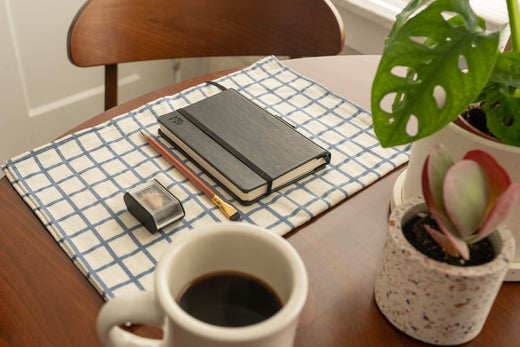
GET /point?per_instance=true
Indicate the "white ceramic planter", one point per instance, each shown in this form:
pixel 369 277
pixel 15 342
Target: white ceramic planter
pixel 459 141
pixel 432 301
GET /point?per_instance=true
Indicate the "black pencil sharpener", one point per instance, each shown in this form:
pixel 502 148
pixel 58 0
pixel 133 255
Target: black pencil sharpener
pixel 153 205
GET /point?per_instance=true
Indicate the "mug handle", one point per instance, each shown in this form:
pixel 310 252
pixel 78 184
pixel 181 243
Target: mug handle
pixel 140 308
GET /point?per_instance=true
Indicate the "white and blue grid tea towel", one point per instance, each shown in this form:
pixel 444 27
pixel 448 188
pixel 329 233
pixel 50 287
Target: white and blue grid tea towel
pixel 76 184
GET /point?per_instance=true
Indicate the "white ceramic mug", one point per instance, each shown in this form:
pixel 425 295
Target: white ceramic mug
pixel 194 253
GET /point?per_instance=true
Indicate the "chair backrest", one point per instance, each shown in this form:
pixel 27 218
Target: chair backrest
pixel 108 32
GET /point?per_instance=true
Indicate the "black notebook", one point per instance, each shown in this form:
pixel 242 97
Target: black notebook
pixel 246 149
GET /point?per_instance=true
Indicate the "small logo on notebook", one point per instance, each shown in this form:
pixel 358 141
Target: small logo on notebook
pixel 176 120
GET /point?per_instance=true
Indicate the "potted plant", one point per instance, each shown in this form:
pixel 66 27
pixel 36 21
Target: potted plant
pixel 437 60
pixel 446 255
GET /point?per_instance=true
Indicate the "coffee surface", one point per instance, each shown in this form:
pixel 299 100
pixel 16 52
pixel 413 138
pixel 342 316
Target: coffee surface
pixel 229 299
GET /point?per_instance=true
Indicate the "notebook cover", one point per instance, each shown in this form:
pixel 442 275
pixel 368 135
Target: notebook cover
pixel 264 139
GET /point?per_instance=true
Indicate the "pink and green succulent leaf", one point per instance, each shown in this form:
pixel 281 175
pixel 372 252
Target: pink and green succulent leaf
pixel 443 241
pixel 466 196
pixel 468 199
pixel 502 194
pixel 499 212
pixel 434 170
pixel 439 163
pixel 450 233
pixel 497 177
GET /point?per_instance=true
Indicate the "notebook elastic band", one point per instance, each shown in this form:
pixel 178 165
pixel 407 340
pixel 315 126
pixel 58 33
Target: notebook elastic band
pixel 218 85
pixel 229 148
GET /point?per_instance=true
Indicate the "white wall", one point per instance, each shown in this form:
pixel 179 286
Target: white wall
pixel 42 94
pixel 368 22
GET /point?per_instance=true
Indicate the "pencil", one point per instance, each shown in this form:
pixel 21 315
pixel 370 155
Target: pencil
pixel 228 210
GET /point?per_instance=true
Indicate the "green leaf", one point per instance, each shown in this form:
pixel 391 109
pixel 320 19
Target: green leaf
pixel 497 176
pixel 435 52
pixel 504 119
pixel 445 242
pixel 502 99
pixel 438 163
pixel 507 70
pixel 501 209
pixel 466 196
pixel 514 23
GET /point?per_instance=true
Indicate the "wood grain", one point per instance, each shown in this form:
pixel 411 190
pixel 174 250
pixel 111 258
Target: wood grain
pixel 116 31
pixel 110 32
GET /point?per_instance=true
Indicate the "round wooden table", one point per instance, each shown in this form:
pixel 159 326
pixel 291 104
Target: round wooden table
pixel 46 301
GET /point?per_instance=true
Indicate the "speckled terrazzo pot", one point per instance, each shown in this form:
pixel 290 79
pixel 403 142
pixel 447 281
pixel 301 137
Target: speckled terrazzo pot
pixel 432 301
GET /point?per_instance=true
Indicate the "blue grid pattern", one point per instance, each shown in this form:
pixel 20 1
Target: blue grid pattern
pixel 76 184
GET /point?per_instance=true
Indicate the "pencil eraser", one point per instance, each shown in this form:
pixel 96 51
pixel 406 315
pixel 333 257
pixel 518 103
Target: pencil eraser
pixel 235 216
pixel 153 205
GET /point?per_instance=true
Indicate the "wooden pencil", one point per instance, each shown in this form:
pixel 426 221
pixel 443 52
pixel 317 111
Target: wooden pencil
pixel 228 210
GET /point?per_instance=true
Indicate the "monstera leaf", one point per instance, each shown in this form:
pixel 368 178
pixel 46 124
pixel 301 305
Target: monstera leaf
pixel 437 59
pixel 502 98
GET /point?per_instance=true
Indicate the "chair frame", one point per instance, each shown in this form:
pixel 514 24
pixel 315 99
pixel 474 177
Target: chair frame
pixel 109 32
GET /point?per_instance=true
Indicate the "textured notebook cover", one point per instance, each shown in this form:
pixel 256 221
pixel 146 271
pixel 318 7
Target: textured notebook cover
pixel 239 138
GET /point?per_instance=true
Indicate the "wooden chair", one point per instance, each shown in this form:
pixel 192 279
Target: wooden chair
pixel 108 32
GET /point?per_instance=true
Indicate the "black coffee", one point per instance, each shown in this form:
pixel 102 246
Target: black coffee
pixel 229 299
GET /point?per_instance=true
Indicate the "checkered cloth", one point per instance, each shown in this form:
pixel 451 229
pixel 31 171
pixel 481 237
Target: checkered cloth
pixel 75 185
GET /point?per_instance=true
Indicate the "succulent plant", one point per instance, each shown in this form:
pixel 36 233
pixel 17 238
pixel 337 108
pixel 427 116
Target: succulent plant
pixel 468 199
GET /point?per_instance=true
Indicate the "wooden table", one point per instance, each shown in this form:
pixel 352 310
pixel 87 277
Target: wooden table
pixel 46 301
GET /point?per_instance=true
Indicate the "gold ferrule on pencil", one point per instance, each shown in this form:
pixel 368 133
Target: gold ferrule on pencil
pixel 228 210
